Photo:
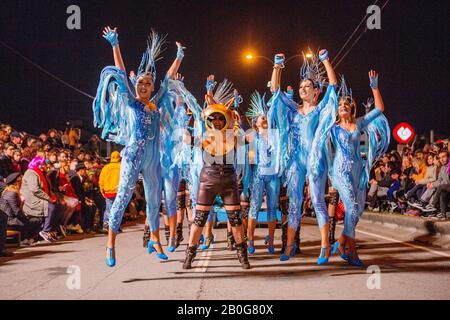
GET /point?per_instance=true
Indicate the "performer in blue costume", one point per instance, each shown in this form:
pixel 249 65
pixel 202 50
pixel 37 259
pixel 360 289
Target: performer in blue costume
pixel 348 172
pixel 133 120
pixel 265 176
pixel 297 126
pixel 172 132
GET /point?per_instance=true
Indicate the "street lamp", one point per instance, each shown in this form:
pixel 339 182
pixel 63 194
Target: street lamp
pixel 249 57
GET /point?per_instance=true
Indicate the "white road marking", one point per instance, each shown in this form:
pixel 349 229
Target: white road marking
pixel 206 255
pixel 443 254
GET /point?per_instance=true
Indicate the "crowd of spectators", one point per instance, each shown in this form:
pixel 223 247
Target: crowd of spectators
pixel 414 183
pixel 51 185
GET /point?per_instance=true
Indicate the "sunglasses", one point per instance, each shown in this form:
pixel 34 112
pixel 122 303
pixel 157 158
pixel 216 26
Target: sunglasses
pixel 218 117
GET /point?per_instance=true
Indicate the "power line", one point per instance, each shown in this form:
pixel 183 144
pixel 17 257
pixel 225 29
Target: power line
pixel 45 71
pixel 358 38
pixel 351 36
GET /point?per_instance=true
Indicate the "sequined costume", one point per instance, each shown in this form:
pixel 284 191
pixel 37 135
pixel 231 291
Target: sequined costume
pixel 139 130
pixel 172 161
pixel 265 175
pixel 349 172
pixel 297 133
pixel 129 122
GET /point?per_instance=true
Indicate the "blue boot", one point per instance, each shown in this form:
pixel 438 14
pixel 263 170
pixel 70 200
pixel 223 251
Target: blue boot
pixel 322 259
pixel 208 242
pixel 270 248
pixel 152 249
pixel 284 256
pixel 344 256
pixel 251 248
pixel 355 262
pixel 110 261
pixel 172 244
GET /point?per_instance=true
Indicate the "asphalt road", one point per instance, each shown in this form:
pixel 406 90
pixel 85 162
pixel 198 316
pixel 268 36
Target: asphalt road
pixel 75 269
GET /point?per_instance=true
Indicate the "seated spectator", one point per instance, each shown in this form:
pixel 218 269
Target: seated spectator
pixel 6 161
pixel 53 138
pixel 395 159
pixel 427 199
pixel 61 186
pixel 3 227
pixel 39 204
pixel 430 175
pixel 27 155
pixel 10 204
pixel 87 204
pixel 438 187
pixel 16 139
pixel 419 164
pixel 380 188
pixel 52 156
pixel 393 188
pixel 17 155
pixel 4 137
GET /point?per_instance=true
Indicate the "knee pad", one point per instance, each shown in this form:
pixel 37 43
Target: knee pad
pixel 189 203
pixel 334 198
pixel 181 202
pixel 284 207
pixel 245 211
pixel 200 218
pixel 235 218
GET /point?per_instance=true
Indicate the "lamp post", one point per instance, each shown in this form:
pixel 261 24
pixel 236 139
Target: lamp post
pixel 251 57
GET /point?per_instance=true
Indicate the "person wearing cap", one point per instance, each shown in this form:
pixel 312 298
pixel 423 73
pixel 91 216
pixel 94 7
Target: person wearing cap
pixel 10 212
pixel 16 139
pixel 87 205
pixel 7 161
pixel 109 184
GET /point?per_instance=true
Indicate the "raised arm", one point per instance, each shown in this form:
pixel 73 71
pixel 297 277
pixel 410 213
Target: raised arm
pixel 113 38
pixel 210 84
pixel 323 56
pixel 275 81
pixel 373 76
pixel 177 62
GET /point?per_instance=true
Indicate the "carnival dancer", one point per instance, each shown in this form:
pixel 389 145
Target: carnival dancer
pixel 172 133
pixel 222 151
pixel 297 125
pixel 133 120
pixel 265 176
pixel 348 172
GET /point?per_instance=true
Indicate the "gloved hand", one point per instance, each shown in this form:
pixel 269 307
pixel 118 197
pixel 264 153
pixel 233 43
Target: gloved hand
pixel 180 51
pixel 279 60
pixel 373 77
pixel 323 55
pixel 111 36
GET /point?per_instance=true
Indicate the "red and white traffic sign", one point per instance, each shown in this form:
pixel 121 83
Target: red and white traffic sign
pixel 403 133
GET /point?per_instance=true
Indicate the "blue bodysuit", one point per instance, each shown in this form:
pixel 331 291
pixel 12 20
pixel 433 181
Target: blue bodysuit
pixel 125 121
pixel 297 133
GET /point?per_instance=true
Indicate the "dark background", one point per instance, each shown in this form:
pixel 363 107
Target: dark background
pixel 411 51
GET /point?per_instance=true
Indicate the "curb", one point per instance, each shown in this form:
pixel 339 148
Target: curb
pixel 428 227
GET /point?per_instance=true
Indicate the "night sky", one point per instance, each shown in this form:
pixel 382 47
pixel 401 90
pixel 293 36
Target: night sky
pixel 411 51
